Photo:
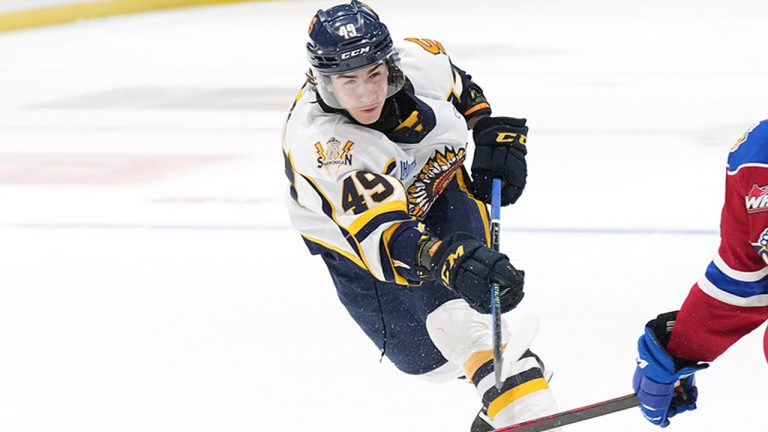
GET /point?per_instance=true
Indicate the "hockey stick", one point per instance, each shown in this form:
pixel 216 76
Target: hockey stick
pixel 574 415
pixel 495 300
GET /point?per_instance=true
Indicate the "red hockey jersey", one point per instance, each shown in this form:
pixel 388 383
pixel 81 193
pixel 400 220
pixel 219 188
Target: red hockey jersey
pixel 731 299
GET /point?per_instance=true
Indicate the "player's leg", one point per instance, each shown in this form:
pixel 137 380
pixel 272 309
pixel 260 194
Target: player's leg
pixel 464 336
pixel 421 328
pixel 380 310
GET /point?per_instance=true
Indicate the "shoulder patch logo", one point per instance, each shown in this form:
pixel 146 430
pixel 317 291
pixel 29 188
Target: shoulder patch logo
pixel 757 199
pixel 761 245
pixel 333 155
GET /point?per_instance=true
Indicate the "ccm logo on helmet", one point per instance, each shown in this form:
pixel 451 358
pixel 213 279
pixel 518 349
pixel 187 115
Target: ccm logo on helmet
pixel 355 53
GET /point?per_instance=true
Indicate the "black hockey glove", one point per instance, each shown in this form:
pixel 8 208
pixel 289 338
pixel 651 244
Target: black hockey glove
pixel 499 152
pixel 467 267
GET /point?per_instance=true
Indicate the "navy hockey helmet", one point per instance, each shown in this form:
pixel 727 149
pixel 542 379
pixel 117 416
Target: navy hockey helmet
pixel 346 38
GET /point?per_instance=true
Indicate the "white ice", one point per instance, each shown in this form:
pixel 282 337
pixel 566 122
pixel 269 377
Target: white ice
pixel 150 280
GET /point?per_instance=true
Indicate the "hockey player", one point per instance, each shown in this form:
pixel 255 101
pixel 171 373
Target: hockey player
pixel 730 300
pixel 374 147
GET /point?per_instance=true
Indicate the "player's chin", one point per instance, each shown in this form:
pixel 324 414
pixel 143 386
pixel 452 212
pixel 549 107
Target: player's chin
pixel 367 115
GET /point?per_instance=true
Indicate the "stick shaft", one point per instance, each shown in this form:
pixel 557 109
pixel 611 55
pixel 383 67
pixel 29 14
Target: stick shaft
pixel 495 300
pixel 574 415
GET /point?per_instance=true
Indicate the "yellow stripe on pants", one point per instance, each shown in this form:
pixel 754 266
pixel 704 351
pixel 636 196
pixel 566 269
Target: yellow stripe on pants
pixel 510 396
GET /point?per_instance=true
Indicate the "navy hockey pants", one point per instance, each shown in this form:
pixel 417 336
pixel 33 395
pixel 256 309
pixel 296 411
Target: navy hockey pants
pixel 394 316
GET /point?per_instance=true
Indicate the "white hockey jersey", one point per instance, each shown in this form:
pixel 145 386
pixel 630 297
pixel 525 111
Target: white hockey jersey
pixel 351 185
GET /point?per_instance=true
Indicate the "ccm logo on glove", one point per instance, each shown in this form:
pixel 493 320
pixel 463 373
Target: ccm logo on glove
pixel 445 273
pixel 505 137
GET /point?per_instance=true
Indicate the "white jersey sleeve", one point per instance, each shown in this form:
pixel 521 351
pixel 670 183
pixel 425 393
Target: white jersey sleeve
pixel 340 198
pixel 428 65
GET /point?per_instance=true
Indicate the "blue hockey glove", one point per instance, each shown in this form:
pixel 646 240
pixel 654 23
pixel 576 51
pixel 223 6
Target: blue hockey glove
pixel 665 385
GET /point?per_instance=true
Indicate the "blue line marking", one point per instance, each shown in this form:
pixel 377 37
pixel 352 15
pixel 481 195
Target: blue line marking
pixel 281 228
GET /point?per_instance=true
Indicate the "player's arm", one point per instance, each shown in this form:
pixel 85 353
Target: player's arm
pixel 375 230
pixel 462 263
pixel 369 211
pixel 730 300
pixel 719 310
pixel 500 143
pixel 433 72
pixel 471 102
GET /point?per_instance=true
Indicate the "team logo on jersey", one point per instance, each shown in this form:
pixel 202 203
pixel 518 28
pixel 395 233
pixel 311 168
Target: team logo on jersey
pixel 432 180
pixel 761 245
pixel 757 199
pixel 333 156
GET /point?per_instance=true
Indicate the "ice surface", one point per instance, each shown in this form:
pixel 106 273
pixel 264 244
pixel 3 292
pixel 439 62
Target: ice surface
pixel 150 281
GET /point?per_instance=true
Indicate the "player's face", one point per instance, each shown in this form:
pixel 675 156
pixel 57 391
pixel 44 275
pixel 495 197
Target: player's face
pixel 362 92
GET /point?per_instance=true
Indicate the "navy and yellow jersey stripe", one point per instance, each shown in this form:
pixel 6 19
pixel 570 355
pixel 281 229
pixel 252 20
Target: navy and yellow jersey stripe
pixel 317 246
pixel 454 94
pixel 330 210
pixel 289 172
pixel 471 101
pixel 389 168
pixel 419 123
pixel 461 180
pixel 296 99
pixel 369 221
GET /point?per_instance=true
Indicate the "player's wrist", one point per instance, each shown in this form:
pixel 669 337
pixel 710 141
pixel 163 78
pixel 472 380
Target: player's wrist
pixel 427 246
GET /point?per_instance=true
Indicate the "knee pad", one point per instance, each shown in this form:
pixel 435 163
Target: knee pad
pixel 445 373
pixel 460 332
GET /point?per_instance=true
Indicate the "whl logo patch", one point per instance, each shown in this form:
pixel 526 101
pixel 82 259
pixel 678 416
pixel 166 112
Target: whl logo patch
pixel 761 245
pixel 757 199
